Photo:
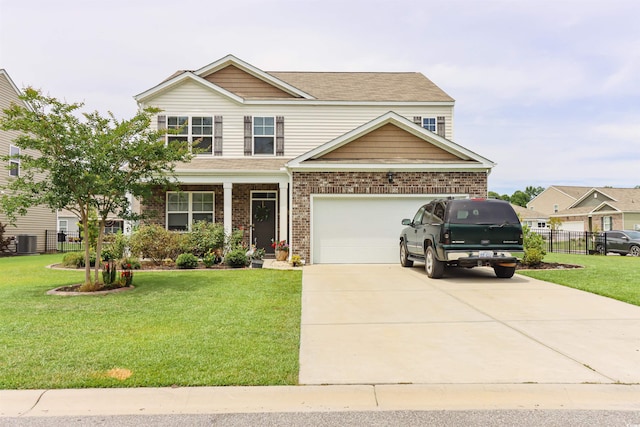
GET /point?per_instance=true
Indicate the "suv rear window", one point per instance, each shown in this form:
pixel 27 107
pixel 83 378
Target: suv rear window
pixel 481 212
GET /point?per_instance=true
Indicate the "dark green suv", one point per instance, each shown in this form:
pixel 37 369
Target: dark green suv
pixel 462 233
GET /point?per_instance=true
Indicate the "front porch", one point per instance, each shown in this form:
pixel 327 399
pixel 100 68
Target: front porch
pixel 260 209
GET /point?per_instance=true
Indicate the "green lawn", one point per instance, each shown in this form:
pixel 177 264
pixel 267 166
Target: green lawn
pixel 613 276
pixel 191 328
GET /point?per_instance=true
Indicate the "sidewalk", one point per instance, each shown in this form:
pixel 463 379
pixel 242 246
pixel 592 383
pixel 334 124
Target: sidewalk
pixel 215 400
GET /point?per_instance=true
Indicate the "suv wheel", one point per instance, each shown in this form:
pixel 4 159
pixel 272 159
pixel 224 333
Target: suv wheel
pixel 504 272
pixel 634 250
pixel 404 260
pixel 434 268
pixel 600 249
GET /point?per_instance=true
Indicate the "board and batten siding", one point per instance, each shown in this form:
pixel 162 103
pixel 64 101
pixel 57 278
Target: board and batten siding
pixel 39 218
pixel 307 125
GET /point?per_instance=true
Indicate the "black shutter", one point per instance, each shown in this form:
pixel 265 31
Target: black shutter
pixel 162 126
pixel 217 136
pixel 248 140
pixel 279 136
pixel 440 126
pixel 417 120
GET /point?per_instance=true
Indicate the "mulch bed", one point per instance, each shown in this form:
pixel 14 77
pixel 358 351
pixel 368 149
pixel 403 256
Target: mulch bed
pixel 548 266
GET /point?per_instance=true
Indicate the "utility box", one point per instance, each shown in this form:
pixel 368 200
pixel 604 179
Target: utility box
pixel 26 244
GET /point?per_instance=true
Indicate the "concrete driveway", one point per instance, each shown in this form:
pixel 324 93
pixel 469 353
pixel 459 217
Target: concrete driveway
pixel 384 324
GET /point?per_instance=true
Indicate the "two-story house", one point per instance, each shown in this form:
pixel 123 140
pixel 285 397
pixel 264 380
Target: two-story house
pixel 590 208
pixel 39 218
pixel 330 162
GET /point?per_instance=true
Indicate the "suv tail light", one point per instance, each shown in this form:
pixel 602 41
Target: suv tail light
pixel 446 236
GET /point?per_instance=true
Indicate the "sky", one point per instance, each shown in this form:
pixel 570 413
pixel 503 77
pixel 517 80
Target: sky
pixel 549 90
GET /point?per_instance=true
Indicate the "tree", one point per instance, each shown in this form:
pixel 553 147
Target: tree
pixel 533 191
pixel 91 162
pixel 520 198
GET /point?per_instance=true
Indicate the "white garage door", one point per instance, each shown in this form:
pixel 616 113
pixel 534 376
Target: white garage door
pixel 359 230
pixel 572 226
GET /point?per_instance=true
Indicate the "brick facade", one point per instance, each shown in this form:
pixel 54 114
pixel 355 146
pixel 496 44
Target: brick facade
pixel 375 183
pixel 155 208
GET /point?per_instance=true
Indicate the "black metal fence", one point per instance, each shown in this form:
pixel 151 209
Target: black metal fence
pixel 569 242
pixel 63 241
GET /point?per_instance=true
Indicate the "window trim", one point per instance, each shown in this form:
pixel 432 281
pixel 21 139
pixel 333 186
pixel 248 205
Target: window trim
pixel 189 135
pixel 254 136
pixel 189 210
pixel 14 161
pixel 435 124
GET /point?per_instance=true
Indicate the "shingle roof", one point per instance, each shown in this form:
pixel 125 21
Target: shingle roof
pixel 203 163
pixel 332 86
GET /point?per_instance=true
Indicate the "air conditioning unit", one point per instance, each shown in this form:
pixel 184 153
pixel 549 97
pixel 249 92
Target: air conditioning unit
pixel 26 244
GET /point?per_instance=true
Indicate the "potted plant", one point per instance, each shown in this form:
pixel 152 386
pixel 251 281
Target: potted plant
pixel 282 249
pixel 257 258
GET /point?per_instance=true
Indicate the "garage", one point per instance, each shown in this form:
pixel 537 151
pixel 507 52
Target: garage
pixel 359 229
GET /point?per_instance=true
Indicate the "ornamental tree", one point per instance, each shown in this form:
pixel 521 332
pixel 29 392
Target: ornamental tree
pixel 89 162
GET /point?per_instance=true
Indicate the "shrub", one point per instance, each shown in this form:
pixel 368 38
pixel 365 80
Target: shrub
pixel 115 246
pixel 211 258
pixel 156 243
pixel 73 259
pixel 187 261
pixel 205 237
pixel 236 258
pixel 533 247
pixel 130 263
pixel 76 259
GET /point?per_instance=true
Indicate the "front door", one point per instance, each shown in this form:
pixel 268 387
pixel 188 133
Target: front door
pixel 263 219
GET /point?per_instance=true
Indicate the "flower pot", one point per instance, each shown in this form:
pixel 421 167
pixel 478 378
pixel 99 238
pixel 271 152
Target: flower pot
pixel 282 255
pixel 256 263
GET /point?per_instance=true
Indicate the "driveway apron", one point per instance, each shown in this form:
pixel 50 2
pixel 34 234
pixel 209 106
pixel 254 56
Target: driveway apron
pixel 384 324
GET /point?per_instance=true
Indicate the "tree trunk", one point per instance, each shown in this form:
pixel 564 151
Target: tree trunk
pixel 87 256
pixel 99 248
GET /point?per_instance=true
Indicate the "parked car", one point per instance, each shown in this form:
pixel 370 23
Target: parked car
pixel 623 242
pixel 462 233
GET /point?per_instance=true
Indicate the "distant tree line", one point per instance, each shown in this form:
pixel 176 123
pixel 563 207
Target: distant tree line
pixel 519 197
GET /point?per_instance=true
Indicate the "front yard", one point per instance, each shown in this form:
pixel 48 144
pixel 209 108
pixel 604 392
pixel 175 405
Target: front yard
pixel 189 328
pixel 223 327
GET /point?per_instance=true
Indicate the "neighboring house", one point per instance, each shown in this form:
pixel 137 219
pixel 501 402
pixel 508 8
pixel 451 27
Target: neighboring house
pixel 602 209
pixel 68 222
pixel 39 218
pixel 556 198
pixel 532 219
pixel 331 162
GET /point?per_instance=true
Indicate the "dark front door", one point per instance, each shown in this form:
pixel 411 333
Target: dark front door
pixel 263 216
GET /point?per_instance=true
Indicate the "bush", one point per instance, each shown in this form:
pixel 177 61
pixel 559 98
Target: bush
pixel 130 263
pixel 236 258
pixel 205 237
pixel 156 243
pixel 115 246
pixel 211 258
pixel 533 247
pixel 76 259
pixel 187 261
pixel 73 259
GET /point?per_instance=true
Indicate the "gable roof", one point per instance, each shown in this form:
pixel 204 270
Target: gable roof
pixel 15 89
pixel 617 199
pixel 316 86
pixel 462 157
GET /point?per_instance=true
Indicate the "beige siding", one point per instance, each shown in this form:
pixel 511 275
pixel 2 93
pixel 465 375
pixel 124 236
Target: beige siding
pixel 389 142
pixel 38 218
pixel 632 221
pixel 307 125
pixel 245 85
pixel 546 201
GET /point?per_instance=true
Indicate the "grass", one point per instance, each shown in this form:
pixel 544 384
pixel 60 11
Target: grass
pixel 612 276
pixel 192 328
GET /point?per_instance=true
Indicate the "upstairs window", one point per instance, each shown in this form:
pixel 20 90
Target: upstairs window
pixel 14 161
pixel 197 131
pixel 264 135
pixel 429 123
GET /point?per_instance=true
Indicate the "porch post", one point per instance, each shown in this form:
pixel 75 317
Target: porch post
pixel 228 201
pixel 284 220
